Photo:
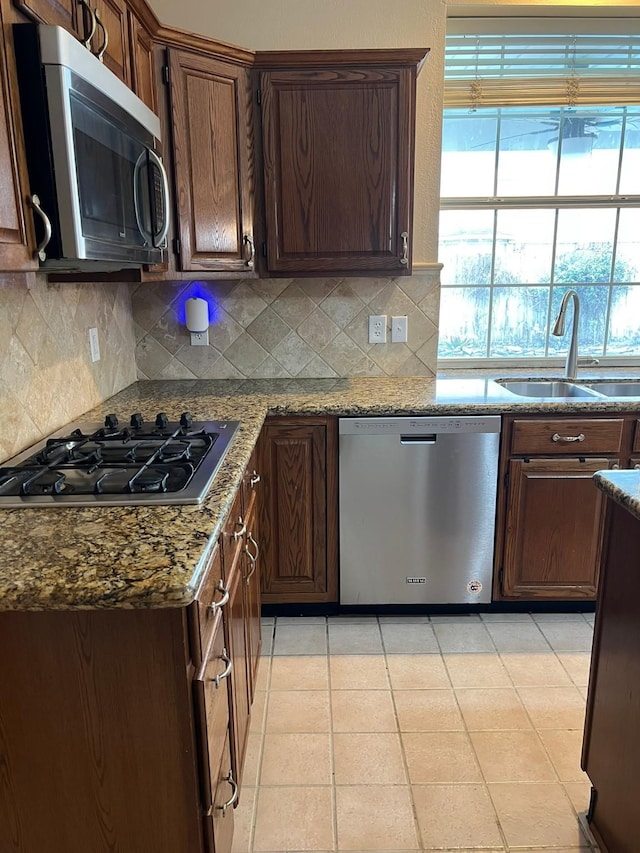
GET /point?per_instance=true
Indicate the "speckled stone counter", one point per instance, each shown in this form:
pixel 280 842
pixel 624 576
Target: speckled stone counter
pixel 621 486
pixel 155 556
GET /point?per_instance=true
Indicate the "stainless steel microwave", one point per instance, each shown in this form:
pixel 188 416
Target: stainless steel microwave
pixel 99 188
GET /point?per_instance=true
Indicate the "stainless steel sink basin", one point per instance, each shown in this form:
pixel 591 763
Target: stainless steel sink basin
pixel 555 388
pixel 616 389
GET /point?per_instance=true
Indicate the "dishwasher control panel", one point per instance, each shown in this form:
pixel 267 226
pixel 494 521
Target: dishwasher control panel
pixel 419 425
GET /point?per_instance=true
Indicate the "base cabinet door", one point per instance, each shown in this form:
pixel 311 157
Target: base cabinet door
pixel 251 591
pixel 211 117
pixel 554 525
pixel 235 639
pixel 298 510
pixel 218 823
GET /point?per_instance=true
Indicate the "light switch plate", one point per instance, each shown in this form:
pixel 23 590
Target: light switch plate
pixel 399 330
pixel 94 344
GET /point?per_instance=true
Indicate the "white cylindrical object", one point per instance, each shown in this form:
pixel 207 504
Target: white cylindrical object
pixel 197 314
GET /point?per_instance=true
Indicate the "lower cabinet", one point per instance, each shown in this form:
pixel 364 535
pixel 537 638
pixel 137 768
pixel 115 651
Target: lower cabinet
pixel 298 512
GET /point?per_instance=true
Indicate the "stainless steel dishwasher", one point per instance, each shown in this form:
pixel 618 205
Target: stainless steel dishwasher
pixel 417 509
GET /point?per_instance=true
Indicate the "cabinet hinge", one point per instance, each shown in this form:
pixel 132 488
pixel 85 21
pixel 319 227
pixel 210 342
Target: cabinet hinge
pixel 176 245
pixel 506 480
pixel 258 97
pixel 264 250
pixel 165 75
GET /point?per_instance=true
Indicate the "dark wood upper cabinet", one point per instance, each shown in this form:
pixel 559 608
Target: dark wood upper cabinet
pixel 211 118
pixel 111 37
pixel 143 81
pixel 64 13
pixel 338 146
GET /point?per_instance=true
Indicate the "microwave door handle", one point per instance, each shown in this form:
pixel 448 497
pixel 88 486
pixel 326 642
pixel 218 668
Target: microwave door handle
pixel 148 236
pixel 159 239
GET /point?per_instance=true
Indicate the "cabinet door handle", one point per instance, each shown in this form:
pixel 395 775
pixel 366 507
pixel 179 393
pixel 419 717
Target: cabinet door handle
pixel 42 245
pixel 216 605
pixel 636 467
pixel 105 40
pixel 238 534
pixel 234 796
pixel 405 248
pixel 254 480
pixel 87 40
pixel 248 241
pixel 252 557
pixel 226 671
pixel 568 438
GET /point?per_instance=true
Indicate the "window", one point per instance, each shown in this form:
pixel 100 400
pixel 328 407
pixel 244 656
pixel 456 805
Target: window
pixel 540 192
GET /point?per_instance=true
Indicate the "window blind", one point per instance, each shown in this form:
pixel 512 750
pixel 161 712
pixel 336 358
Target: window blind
pixel 507 62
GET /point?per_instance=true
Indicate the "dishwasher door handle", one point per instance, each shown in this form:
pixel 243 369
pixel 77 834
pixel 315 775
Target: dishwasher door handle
pixel 418 439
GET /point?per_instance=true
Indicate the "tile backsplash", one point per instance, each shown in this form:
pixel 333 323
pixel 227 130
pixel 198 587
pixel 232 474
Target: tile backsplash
pixel 47 377
pixel 280 328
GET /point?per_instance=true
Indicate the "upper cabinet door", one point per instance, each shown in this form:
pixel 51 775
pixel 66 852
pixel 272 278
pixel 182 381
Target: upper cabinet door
pixel 142 66
pixel 110 41
pixel 64 13
pixel 338 169
pixel 211 116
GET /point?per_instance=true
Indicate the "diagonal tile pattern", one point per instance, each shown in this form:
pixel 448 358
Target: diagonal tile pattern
pixel 445 745
pixel 284 328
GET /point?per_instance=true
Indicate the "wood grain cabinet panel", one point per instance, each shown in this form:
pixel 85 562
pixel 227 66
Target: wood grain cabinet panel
pixel 64 13
pixel 554 524
pixel 298 520
pixel 564 436
pixel 115 34
pixel 338 146
pixel 211 117
pixel 143 80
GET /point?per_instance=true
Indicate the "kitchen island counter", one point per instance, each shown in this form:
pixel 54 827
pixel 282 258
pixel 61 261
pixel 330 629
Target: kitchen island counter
pixel 155 556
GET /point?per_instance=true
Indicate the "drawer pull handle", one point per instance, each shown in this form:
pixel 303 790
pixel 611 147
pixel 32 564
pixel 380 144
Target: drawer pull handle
pixel 255 479
pixel 557 437
pixel 227 670
pixel 238 534
pixel 252 557
pixel 215 605
pixel 636 467
pixel 234 795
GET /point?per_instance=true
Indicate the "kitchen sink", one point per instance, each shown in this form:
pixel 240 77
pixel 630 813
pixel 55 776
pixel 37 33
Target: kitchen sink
pixel 616 389
pixel 556 388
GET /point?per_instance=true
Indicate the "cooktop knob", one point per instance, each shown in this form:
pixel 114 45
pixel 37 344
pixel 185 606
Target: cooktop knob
pixel 111 421
pixel 186 419
pixel 162 420
pixel 136 420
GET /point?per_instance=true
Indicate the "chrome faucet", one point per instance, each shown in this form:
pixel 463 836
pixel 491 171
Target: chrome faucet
pixel 571 366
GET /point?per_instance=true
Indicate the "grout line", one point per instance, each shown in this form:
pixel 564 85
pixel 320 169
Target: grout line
pixel 334 793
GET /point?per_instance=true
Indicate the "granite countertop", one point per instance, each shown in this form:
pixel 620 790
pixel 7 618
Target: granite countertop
pixel 623 487
pixel 155 556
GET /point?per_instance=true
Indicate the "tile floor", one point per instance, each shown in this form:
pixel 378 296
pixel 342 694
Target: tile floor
pixel 418 733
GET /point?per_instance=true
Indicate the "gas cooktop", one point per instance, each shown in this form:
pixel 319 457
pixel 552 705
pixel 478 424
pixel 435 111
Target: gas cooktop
pixel 85 464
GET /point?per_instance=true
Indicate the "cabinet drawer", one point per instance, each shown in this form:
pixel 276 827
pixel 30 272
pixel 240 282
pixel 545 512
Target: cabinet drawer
pixel 250 483
pixel 233 535
pixel 573 436
pixel 219 820
pixel 203 612
pixel 212 710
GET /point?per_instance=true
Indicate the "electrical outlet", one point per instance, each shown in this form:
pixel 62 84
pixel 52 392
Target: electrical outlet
pixel 399 330
pixel 94 344
pixel 200 339
pixel 377 328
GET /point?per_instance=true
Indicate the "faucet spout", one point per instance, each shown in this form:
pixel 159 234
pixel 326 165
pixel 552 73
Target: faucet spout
pixel 571 365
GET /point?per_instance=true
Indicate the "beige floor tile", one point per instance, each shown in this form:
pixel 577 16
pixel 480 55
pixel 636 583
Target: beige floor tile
pixel 476 670
pixel 577 665
pixel 492 708
pixel 589 618
pixel 401 619
pixel 568 636
pixel 516 756
pixel 298 711
pixel 355 639
pixel 466 618
pixel 358 672
pixel 564 748
pixel 440 758
pixel 296 759
pixel 294 819
pixel 460 637
pixel 302 621
pixel 535 670
pixel 554 707
pixel 258 711
pixel 536 815
pixel 520 637
pixel 243 821
pixel 294 639
pixel 375 818
pixel 408 638
pixel 557 617
pixel 417 672
pixel 368 759
pixel 579 793
pixel 427 711
pixel 252 759
pixel 506 617
pixel 363 711
pixel 299 673
pixel 263 674
pixel 456 816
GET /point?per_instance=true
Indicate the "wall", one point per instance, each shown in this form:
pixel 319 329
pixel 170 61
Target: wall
pixel 46 374
pixel 281 328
